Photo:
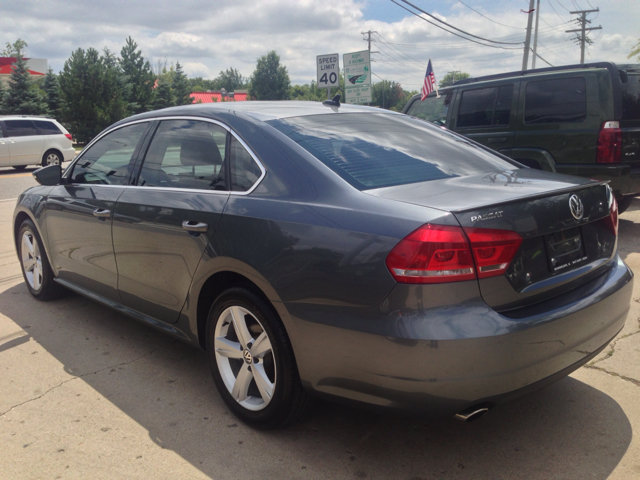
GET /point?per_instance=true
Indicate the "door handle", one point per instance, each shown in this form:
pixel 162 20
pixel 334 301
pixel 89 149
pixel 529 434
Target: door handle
pixel 194 226
pixel 498 140
pixel 102 213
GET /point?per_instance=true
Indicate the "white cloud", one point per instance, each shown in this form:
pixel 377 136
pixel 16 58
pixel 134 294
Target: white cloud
pixel 210 36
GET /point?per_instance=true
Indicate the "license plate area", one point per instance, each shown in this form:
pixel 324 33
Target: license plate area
pixel 565 249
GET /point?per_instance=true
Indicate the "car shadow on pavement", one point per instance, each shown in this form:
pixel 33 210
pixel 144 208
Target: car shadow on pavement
pixel 568 430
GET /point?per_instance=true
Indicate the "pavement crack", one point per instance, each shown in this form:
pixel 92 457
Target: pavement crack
pixel 614 374
pixel 77 377
pixel 612 347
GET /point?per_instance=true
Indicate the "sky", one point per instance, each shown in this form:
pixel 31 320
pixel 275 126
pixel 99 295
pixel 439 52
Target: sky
pixel 210 36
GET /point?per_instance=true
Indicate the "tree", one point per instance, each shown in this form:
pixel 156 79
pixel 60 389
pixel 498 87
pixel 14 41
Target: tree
pixel 164 96
pixel 270 80
pixel 139 75
pixel 386 94
pixel 231 80
pixel 181 88
pixel 92 93
pixel 52 92
pixel 14 49
pixel 1 98
pixel 635 52
pixel 451 77
pixel 23 97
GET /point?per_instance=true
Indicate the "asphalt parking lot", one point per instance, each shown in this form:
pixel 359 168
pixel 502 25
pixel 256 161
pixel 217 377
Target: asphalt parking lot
pixel 89 393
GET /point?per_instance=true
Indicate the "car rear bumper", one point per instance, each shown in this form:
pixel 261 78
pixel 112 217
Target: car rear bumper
pixel 623 178
pixel 69 154
pixel 404 355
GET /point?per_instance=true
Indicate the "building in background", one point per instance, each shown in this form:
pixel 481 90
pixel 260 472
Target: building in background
pixel 37 67
pixel 219 96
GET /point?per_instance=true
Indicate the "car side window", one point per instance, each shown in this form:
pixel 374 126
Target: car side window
pixel 433 109
pixel 186 154
pixel 485 107
pixel 20 128
pixel 244 169
pixel 108 161
pixel 556 101
pixel 47 128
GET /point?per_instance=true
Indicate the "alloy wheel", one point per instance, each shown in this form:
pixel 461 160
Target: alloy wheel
pixel 244 357
pixel 53 159
pixel 31 260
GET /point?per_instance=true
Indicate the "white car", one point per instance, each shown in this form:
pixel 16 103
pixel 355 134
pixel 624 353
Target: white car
pixel 28 140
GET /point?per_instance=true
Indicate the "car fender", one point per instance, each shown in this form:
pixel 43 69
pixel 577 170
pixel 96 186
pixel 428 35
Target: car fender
pixel 33 204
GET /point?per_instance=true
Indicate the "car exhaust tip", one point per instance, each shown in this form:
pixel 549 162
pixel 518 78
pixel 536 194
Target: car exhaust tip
pixel 472 413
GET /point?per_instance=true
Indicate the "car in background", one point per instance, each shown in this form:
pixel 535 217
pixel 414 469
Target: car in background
pixel 331 250
pixel 27 140
pixel 578 119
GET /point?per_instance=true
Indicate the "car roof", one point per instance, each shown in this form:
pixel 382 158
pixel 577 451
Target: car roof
pixel 261 110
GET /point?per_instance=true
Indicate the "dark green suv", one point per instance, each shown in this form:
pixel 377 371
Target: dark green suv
pixel 579 119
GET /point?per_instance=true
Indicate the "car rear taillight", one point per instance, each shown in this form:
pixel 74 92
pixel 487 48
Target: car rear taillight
pixel 609 143
pixel 432 254
pixel 492 250
pixel 440 254
pixel 68 135
pixel 612 220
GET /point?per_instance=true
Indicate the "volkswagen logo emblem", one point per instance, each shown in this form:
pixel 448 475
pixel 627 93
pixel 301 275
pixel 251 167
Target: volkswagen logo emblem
pixel 576 207
pixel 247 356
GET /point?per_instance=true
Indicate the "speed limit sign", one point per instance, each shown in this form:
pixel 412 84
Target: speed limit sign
pixel 328 69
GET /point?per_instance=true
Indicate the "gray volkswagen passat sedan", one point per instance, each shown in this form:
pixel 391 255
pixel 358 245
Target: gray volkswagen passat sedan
pixel 337 251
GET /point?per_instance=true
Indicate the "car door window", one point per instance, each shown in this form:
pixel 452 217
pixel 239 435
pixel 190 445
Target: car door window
pixel 20 128
pixel 556 101
pixel 433 108
pixel 485 107
pixel 186 154
pixel 108 161
pixel 245 172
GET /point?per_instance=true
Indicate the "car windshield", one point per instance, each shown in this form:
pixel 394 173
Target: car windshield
pixel 374 150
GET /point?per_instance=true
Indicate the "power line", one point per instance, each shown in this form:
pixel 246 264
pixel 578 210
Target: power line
pixel 470 8
pixel 553 8
pixel 453 33
pixel 456 28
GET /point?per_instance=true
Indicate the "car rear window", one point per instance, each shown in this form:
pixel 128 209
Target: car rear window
pixel 20 128
pixel 556 101
pixel 631 98
pixel 375 150
pixel 47 128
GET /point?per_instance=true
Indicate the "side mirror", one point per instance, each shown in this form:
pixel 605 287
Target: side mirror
pixel 49 176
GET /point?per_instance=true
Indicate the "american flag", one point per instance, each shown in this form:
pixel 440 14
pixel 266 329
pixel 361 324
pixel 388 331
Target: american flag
pixel 429 82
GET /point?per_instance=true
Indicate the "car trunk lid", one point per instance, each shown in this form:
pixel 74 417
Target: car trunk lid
pixel 560 249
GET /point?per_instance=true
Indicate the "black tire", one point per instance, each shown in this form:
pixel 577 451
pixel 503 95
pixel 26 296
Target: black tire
pixel 50 156
pixel 624 203
pixel 20 167
pixel 288 401
pixel 41 285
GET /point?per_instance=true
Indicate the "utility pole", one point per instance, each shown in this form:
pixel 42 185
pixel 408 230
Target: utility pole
pixel 368 39
pixel 527 42
pixel 535 37
pixel 582 37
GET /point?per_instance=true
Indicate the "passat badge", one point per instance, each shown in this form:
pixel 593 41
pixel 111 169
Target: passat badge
pixel 577 209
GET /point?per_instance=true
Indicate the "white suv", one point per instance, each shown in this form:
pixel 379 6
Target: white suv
pixel 27 140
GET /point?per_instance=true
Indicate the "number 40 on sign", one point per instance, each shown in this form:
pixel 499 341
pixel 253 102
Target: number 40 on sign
pixel 328 68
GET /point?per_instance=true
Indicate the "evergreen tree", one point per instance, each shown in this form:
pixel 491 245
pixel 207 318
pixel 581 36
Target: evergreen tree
pixel 92 93
pixel 181 87
pixel 164 96
pixel 270 80
pixel 1 97
pixel 139 75
pixel 22 97
pixel 52 91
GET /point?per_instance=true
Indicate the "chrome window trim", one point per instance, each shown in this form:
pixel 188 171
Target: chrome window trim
pixel 177 117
